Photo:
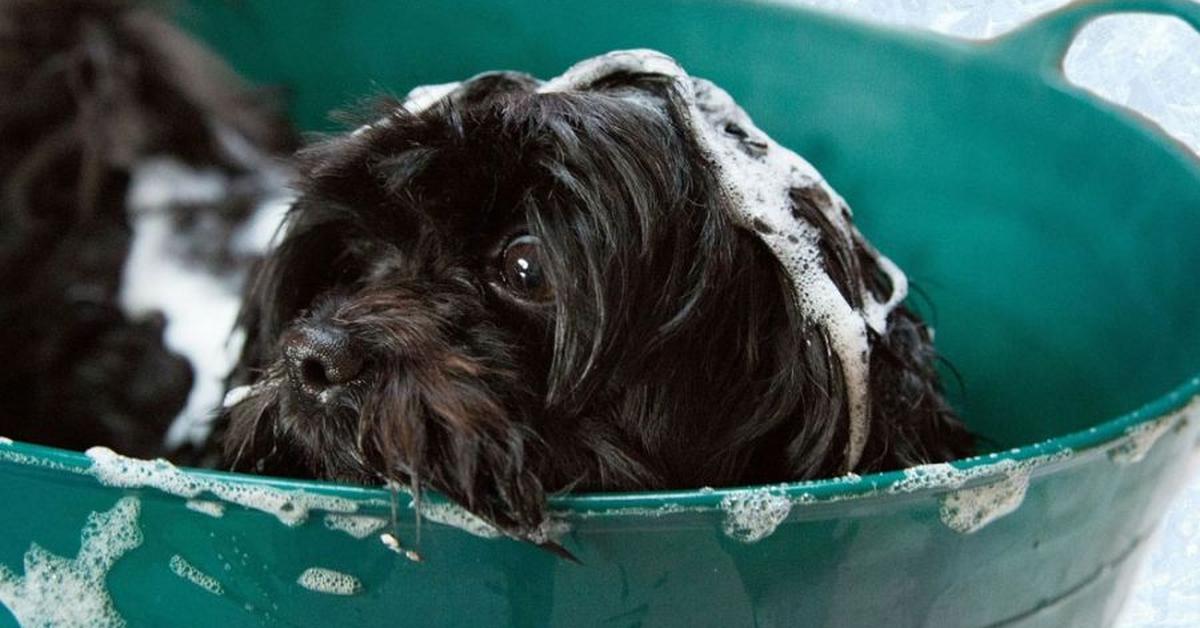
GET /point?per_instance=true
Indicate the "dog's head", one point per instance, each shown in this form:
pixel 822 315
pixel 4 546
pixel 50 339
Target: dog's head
pixel 505 288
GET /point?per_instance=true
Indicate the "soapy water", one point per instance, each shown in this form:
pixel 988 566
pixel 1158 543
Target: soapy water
pixel 329 582
pixel 58 592
pixel 187 571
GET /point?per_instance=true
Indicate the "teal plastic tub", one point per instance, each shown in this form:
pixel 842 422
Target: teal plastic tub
pixel 1056 234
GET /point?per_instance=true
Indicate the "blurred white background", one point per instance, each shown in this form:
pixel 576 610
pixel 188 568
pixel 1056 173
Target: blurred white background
pixel 1151 64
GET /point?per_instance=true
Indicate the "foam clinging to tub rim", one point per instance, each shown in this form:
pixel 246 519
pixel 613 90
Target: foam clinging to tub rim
pixel 57 592
pixel 290 507
pixel 329 582
pixel 1140 439
pixel 451 514
pixel 357 526
pixel 967 509
pixel 970 509
pixel 7 455
pixel 454 515
pixel 751 516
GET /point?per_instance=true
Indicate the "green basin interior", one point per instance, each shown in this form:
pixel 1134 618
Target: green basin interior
pixel 1057 238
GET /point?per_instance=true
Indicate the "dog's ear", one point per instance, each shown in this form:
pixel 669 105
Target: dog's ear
pixel 910 420
pixel 794 405
pixel 798 425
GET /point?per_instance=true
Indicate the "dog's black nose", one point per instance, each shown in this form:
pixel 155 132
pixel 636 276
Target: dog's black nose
pixel 320 357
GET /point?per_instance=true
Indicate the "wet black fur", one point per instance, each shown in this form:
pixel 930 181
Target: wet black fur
pixel 88 88
pixel 672 355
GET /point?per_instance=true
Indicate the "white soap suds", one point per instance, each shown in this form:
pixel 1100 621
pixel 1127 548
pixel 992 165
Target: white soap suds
pixel 945 476
pixel 657 511
pixel 550 530
pixel 970 509
pixel 454 515
pixel 751 516
pixel 58 592
pixel 390 541
pixel 418 99
pixel 357 526
pixel 929 476
pixel 210 508
pixel 14 457
pixel 236 395
pixel 328 581
pixel 422 97
pixel 965 508
pixel 451 514
pixel 290 507
pixel 187 571
pixel 1140 439
pixel 5 441
pixel 972 498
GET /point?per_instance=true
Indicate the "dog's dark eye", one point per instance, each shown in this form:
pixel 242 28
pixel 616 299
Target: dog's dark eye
pixel 521 269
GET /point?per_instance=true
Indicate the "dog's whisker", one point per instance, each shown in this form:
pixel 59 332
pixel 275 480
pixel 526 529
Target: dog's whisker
pixel 391 540
pixel 415 487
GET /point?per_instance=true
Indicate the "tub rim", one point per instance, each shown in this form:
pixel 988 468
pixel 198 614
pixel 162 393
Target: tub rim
pixel 1039 458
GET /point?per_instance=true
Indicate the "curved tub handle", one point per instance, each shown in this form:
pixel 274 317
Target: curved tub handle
pixel 1043 43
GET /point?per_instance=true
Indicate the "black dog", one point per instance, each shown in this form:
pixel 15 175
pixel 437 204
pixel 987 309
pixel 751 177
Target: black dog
pixel 610 281
pixel 96 97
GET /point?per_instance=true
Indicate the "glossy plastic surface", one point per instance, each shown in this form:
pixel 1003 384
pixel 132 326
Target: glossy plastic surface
pixel 1057 236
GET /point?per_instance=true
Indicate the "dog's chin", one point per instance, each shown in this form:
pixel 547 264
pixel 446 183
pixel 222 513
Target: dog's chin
pixel 423 428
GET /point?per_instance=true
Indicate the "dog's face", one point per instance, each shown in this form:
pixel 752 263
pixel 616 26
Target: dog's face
pixel 512 292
